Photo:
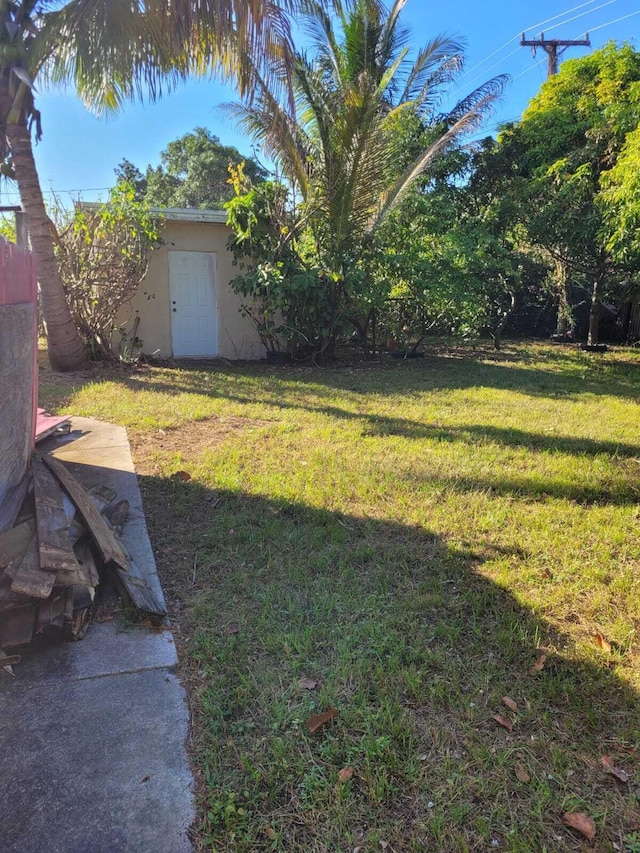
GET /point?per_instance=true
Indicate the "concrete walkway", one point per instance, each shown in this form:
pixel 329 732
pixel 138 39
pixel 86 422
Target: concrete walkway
pixel 92 734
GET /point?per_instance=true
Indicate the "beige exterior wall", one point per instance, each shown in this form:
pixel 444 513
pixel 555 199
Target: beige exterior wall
pixel 237 337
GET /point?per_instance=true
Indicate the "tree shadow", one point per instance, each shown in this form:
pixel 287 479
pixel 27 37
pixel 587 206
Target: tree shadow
pixel 415 648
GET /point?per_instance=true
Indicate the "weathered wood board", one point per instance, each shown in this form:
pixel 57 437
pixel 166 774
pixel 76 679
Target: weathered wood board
pixel 135 586
pixel 100 532
pixel 29 579
pixel 56 551
pixel 13 543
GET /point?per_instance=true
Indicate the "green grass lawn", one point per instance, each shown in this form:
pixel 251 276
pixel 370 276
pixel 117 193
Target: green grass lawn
pixel 411 537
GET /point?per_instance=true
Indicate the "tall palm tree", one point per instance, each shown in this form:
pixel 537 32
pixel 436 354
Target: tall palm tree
pixel 352 90
pixel 112 51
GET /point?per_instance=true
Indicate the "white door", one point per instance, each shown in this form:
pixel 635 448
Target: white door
pixel 194 303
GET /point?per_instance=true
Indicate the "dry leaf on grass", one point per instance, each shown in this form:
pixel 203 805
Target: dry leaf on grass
pixel 521 774
pixel 183 476
pixel 610 767
pixel 603 643
pixel 345 774
pixel 581 822
pixel 503 721
pixel 307 684
pixel 317 721
pixel 510 704
pixel 232 628
pixel 538 665
pixel 270 833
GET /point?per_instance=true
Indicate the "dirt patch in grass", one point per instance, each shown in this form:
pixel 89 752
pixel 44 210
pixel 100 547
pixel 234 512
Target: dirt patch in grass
pixel 189 440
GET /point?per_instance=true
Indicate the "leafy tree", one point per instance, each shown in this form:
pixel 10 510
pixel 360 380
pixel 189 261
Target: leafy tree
pixel 112 51
pixel 352 90
pixel 452 259
pixel 194 172
pixel 127 173
pixel 620 203
pixel 102 256
pixel 570 136
pixel 282 295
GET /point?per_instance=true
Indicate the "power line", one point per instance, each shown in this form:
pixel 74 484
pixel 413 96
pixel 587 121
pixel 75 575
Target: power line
pixel 608 24
pixel 4 193
pixel 581 15
pixel 531 27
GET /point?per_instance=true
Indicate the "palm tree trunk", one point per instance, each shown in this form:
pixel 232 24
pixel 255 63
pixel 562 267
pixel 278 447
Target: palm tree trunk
pixel 66 350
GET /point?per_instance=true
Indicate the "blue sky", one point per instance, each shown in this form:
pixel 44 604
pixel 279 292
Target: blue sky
pixel 79 152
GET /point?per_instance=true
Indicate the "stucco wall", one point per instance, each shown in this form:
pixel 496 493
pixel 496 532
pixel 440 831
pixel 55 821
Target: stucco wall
pixel 237 337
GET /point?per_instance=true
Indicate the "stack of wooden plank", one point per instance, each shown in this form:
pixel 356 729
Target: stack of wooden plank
pixel 52 554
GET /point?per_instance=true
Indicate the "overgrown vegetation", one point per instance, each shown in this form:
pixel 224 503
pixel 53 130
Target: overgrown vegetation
pixel 400 542
pixel 411 234
pixel 102 254
pixel 366 125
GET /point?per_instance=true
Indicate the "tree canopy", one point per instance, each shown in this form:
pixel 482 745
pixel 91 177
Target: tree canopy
pixel 193 172
pixel 566 164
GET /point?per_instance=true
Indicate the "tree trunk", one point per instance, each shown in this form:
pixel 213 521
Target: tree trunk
pixel 501 324
pixel 66 350
pixel 596 307
pixel 563 322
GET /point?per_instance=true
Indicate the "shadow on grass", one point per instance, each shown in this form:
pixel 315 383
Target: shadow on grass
pixel 569 374
pixel 415 648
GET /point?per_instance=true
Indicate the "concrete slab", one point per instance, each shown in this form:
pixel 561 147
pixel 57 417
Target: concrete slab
pixel 109 648
pixel 92 734
pixel 96 766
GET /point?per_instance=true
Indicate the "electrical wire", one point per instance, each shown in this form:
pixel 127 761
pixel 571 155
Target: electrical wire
pixel 608 24
pixel 532 27
pixel 588 12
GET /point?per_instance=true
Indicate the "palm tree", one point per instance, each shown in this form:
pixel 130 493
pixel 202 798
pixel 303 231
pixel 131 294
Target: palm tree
pixel 353 89
pixel 112 51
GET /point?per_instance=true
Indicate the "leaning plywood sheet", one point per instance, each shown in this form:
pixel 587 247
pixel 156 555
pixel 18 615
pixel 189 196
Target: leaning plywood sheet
pixel 17 325
pixel 101 533
pixel 56 551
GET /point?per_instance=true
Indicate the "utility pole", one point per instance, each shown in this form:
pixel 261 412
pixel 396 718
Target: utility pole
pixel 554 48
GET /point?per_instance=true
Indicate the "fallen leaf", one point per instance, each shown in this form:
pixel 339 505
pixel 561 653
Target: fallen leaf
pixel 603 643
pixel 146 778
pixel 232 628
pixel 317 721
pixel 345 774
pixel 581 822
pixel 183 476
pixel 538 665
pixel 307 684
pixel 511 705
pixel 270 832
pixel 522 775
pixel 610 767
pixel 503 721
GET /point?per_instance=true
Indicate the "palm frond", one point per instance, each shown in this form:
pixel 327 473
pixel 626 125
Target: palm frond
pixel 463 124
pixel 435 65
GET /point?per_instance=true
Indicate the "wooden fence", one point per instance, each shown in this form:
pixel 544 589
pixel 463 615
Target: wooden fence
pixel 18 375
